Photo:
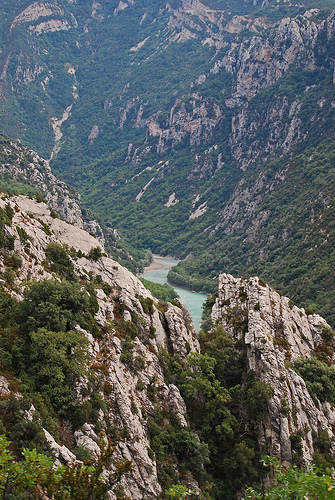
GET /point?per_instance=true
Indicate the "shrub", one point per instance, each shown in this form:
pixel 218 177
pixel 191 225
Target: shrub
pixel 39 198
pixel 52 359
pixel 140 386
pixel 147 305
pixel 95 253
pixel 14 261
pixel 107 288
pixel 45 226
pixel 9 275
pixel 36 477
pixel 295 483
pixel 319 378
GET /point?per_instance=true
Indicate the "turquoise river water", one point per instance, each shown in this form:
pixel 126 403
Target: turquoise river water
pixel 157 272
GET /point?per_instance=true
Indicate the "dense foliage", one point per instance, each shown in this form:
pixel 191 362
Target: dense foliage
pixel 118 85
pixel 39 343
pixel 225 404
pixel 35 477
pixel 164 292
pixel 297 484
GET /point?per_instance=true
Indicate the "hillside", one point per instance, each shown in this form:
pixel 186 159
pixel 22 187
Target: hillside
pixel 23 171
pixel 79 346
pixel 89 357
pixel 205 132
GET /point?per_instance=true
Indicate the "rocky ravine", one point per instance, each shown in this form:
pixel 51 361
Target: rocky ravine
pixel 171 329
pixel 275 334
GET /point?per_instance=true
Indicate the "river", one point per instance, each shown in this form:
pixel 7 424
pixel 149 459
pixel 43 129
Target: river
pixel 157 272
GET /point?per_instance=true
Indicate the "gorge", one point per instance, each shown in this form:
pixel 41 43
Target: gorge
pixel 157 272
pixel 202 129
pixel 195 129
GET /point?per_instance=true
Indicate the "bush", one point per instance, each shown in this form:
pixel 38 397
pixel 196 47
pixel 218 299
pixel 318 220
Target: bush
pixel 39 198
pixel 107 288
pixel 319 378
pixel 61 262
pixel 95 253
pixel 295 483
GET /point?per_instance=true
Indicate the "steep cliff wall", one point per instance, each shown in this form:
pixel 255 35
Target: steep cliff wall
pixel 125 371
pixel 276 334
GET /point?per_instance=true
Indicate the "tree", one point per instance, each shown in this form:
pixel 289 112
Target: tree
pixel 95 253
pixel 56 306
pixel 35 477
pixel 61 262
pixel 55 357
pixel 295 484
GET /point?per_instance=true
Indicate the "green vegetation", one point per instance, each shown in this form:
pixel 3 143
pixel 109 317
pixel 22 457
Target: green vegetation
pixel 39 343
pixel 319 378
pixel 121 90
pixel 178 492
pixel 36 477
pixel 164 293
pixel 297 238
pixel 143 129
pixel 60 260
pixel 176 448
pixel 95 254
pixel 225 405
pixel 295 483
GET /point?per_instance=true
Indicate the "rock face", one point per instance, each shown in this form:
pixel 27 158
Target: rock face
pixel 275 334
pixel 132 387
pixel 254 64
pixel 128 375
pixel 26 165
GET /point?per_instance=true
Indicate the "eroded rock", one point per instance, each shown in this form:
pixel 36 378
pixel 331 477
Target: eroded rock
pixel 276 333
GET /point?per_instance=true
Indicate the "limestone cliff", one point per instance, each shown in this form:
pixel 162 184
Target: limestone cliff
pixel 129 378
pixel 258 133
pixel 133 334
pixel 23 164
pixel 275 334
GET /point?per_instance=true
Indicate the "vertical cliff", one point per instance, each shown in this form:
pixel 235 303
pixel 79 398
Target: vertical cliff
pixel 276 336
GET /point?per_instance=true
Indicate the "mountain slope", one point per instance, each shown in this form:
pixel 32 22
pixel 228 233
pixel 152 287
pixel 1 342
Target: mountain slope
pixel 80 343
pixel 185 134
pixel 23 171
pixel 87 351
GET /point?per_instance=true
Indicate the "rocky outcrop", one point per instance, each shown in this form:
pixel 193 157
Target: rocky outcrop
pixel 38 10
pixel 197 118
pixel 258 63
pixel 275 334
pixel 283 127
pixel 16 161
pixel 198 122
pixel 129 378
